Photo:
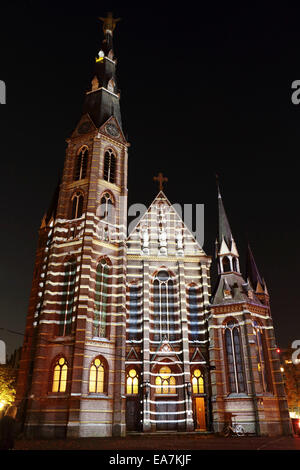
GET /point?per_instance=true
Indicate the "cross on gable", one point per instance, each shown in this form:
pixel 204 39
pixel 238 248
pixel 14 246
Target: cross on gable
pixel 161 179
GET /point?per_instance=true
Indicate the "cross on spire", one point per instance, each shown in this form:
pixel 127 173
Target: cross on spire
pixel 109 23
pixel 161 179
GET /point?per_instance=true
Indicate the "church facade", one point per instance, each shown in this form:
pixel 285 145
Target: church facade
pixel 123 332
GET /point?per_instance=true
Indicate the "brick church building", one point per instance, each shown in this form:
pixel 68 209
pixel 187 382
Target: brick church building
pixel 123 332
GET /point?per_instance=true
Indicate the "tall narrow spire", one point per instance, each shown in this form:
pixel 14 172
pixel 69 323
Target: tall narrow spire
pixel 224 232
pixel 226 250
pixel 252 273
pixel 103 99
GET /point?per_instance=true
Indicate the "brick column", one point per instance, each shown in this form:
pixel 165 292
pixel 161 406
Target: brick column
pixel 185 346
pixel 146 350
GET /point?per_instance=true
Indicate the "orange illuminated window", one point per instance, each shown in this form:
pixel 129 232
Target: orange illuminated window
pixel 197 382
pixel 165 382
pixel 132 383
pixel 96 381
pixel 59 383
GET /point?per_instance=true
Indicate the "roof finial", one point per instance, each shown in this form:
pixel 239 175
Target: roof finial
pixel 109 23
pixel 161 179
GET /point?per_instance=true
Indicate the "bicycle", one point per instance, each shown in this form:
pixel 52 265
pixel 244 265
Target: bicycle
pixel 235 430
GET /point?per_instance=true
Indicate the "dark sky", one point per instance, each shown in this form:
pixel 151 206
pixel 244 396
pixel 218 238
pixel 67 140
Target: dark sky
pixel 203 91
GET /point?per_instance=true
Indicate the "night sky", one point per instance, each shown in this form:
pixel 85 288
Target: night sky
pixel 203 91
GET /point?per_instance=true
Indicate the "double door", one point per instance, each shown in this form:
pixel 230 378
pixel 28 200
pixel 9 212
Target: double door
pixel 166 416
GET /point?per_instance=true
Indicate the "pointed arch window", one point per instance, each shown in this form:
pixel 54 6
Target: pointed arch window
pixel 81 164
pixel 106 211
pixel 165 382
pixel 194 313
pixel 77 205
pixel 97 376
pixel 111 85
pixel 226 264
pixel 263 367
pixel 235 265
pixel 197 382
pixel 101 298
pixel 60 372
pixel 236 374
pixel 134 299
pixel 68 298
pixel 164 307
pixel 109 173
pixel 132 382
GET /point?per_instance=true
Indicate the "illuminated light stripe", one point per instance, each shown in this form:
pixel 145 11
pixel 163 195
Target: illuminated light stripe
pixel 169 421
pixel 180 374
pixel 172 402
pixel 171 412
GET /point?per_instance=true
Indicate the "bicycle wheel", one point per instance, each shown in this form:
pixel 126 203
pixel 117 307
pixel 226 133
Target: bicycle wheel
pixel 240 431
pixel 227 431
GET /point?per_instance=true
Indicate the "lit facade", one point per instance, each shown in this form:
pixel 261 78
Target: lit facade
pixel 123 333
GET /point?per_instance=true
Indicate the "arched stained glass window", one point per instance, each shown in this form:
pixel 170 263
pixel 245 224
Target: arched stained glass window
pixel 67 298
pixel 106 209
pixel 96 379
pixel 60 372
pixel 132 382
pixel 197 382
pixel 236 375
pixel 165 382
pixel 193 312
pixel 101 298
pixel 264 372
pixel 81 164
pixel 164 307
pixel 77 205
pixel 134 299
pixel 109 173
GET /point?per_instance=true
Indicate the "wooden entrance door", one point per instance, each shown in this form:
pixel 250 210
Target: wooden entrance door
pixel 199 413
pixel 166 418
pixel 133 415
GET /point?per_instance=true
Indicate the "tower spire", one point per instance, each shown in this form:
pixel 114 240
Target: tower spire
pixel 224 232
pixel 226 249
pixel 103 99
pixel 252 273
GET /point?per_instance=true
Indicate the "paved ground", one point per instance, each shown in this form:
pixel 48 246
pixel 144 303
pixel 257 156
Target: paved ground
pixel 164 442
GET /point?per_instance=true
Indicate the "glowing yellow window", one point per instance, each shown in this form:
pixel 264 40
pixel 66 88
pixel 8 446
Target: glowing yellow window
pixel 132 383
pixel 96 382
pixel 60 376
pixel 165 383
pixel 197 382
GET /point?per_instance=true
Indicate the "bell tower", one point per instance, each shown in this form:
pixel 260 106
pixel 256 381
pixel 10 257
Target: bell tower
pixel 71 380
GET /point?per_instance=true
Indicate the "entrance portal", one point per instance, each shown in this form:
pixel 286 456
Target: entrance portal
pixel 133 415
pixel 166 416
pixel 199 413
